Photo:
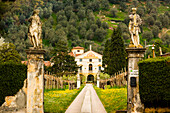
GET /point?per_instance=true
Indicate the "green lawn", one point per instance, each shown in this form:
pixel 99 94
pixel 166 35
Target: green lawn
pixel 113 98
pixel 57 101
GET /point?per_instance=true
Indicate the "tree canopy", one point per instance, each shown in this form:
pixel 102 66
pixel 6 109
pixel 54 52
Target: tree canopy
pixel 114 55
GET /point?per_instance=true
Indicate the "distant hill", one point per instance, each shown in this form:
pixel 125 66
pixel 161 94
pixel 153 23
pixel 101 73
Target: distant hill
pixel 84 22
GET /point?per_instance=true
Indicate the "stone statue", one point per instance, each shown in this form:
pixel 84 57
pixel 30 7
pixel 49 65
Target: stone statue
pixel 34 31
pixel 134 29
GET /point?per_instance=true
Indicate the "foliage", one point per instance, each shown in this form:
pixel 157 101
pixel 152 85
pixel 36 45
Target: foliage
pixel 113 99
pixel 9 54
pixel 158 43
pixel 147 35
pixel 154 82
pixel 11 79
pixel 155 31
pixel 166 39
pixel 63 62
pixel 74 20
pixel 104 76
pixel 113 12
pixel 59 100
pixel 114 53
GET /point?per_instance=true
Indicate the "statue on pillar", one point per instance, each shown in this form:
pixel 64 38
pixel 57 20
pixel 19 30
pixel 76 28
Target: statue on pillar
pixel 34 31
pixel 134 29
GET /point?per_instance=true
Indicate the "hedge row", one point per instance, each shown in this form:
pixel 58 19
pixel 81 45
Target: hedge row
pixel 12 78
pixel 154 82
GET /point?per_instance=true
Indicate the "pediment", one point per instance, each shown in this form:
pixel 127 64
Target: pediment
pixel 90 55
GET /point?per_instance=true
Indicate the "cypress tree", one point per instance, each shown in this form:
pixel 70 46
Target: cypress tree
pixel 114 53
pixel 106 55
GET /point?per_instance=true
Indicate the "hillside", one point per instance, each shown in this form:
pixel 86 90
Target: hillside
pixel 84 22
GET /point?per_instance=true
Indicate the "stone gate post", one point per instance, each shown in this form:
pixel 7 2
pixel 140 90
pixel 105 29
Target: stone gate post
pixel 134 104
pixel 35 77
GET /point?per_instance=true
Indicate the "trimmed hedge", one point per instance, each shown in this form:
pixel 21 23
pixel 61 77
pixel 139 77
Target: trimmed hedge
pixel 154 82
pixel 12 78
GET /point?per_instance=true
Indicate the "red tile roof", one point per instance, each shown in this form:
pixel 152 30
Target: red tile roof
pixel 78 47
pixel 46 63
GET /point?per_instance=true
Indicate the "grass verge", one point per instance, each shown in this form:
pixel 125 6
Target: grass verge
pixel 57 101
pixel 113 98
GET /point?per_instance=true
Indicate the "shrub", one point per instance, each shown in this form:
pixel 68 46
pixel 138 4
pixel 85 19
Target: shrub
pixel 12 78
pixel 154 79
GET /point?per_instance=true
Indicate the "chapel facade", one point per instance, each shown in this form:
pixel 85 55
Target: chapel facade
pixel 90 62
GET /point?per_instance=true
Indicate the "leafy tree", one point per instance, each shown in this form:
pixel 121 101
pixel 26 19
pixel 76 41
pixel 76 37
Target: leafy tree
pixel 150 7
pixel 100 34
pixel 135 3
pixel 115 53
pixel 63 23
pixel 167 14
pixel 63 63
pixel 147 35
pixel 105 4
pixel 91 17
pixel 113 12
pixel 83 24
pixel 126 36
pixel 68 11
pixel 8 53
pixel 141 11
pixel 93 27
pixel 159 24
pixel 2 25
pixel 155 31
pixel 46 12
pixel 165 21
pixel 22 19
pixel 105 57
pixel 123 28
pixel 166 39
pixel 82 33
pixel 72 31
pixel 123 6
pixel 51 20
pixel 150 20
pixel 105 25
pixel 89 34
pixel 74 17
pixel 98 22
pixel 81 14
pixel 61 12
pixel 73 22
pixel 57 6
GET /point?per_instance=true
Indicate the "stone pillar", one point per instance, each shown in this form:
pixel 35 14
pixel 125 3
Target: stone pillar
pixel 134 104
pixel 35 77
pixel 78 81
pixel 98 82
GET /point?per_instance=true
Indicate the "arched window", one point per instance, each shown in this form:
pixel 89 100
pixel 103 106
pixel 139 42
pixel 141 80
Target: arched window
pixel 90 67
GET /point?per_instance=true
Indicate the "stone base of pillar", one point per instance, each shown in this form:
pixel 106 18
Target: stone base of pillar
pixel 35 77
pixel 134 103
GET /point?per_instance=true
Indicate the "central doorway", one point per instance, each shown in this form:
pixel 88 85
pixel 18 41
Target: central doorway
pixel 90 78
